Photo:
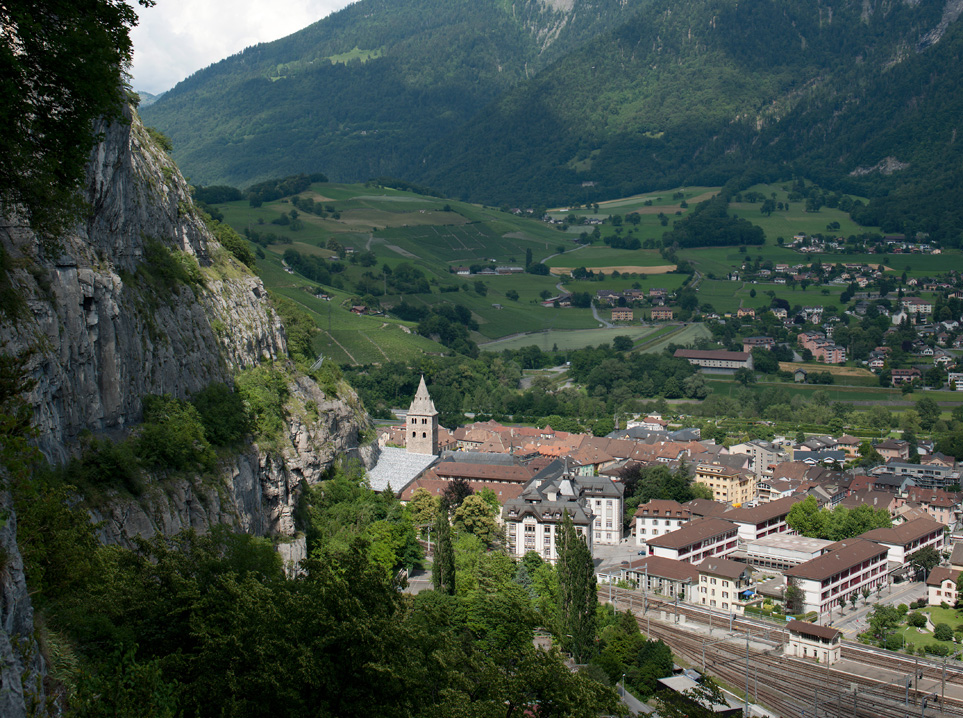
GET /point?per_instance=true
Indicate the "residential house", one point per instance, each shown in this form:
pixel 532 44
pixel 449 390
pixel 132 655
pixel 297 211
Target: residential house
pixel 658 517
pixel 941 585
pixel 725 584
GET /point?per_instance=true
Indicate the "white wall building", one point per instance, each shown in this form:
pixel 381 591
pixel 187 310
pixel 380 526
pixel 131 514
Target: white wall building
pixel 696 541
pixel 830 579
pixel 657 518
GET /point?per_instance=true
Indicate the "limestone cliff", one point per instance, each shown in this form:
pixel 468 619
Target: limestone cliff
pixel 106 318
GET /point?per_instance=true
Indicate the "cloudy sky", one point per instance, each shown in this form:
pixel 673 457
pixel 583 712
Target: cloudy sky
pixel 176 38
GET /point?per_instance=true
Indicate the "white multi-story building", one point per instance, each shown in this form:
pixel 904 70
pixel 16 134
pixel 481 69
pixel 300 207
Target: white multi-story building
pixel 722 582
pixel 658 517
pixel 532 520
pixel 763 455
pixel 906 539
pixel 763 520
pixel 829 580
pixel 696 541
pixel 603 499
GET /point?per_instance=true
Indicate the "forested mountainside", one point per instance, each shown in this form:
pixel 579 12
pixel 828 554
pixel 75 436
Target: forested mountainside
pixel 699 92
pixel 474 101
pixel 362 91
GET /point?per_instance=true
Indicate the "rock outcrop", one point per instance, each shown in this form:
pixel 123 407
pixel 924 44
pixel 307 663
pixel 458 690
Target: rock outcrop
pixel 106 316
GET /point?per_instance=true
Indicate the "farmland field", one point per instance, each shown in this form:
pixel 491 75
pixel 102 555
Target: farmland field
pixel 601 256
pixel 835 370
pixel 726 296
pixel 572 339
pixel 686 335
pixel 894 399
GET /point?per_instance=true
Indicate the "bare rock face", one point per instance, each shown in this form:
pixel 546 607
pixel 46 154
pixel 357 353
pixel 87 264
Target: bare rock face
pixel 21 666
pixel 103 325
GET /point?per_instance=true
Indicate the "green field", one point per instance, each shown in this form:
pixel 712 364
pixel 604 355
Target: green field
pixel 437 235
pixel 602 256
pixel 571 339
pixel 685 335
pixel 726 296
pixel 894 399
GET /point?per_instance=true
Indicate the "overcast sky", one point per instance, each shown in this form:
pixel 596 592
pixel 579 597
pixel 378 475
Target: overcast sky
pixel 176 38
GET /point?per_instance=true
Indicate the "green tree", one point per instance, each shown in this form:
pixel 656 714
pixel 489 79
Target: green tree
pixel 805 518
pixel 882 619
pixel 924 560
pixel 702 491
pixel 929 412
pixel 476 516
pixel 916 620
pixel 443 567
pixel 744 376
pixel 60 73
pixel 622 343
pixel 423 507
pixel 578 599
pixel 943 632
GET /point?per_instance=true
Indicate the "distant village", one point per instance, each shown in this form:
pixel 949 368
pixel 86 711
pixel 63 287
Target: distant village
pixel 705 551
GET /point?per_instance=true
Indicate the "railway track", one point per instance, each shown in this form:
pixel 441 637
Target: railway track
pixel 792 687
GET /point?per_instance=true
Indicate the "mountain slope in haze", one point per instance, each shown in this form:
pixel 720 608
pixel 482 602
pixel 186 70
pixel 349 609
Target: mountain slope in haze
pixel 361 92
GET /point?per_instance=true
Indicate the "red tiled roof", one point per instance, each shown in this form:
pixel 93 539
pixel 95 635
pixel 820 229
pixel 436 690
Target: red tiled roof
pixel 904 533
pixel 456 469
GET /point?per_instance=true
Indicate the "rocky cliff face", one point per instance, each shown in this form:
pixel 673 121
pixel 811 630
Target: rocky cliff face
pixel 103 335
pixel 104 325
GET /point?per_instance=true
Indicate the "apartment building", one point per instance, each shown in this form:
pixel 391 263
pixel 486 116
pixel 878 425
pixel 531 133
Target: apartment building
pixel 828 580
pixel 657 518
pixel 731 486
pixel 716 359
pixel 722 583
pixel 696 541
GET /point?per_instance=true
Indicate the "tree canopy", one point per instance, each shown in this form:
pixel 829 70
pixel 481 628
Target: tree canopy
pixel 61 65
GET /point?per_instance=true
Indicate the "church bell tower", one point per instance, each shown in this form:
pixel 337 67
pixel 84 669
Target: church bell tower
pixel 421 430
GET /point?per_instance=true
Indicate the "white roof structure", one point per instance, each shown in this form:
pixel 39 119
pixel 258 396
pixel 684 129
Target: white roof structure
pixel 396 468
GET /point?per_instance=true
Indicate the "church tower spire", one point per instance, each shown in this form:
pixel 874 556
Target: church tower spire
pixel 421 431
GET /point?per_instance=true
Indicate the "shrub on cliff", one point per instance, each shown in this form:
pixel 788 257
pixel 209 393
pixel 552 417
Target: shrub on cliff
pixel 172 436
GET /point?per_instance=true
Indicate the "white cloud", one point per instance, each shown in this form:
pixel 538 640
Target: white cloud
pixel 176 38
